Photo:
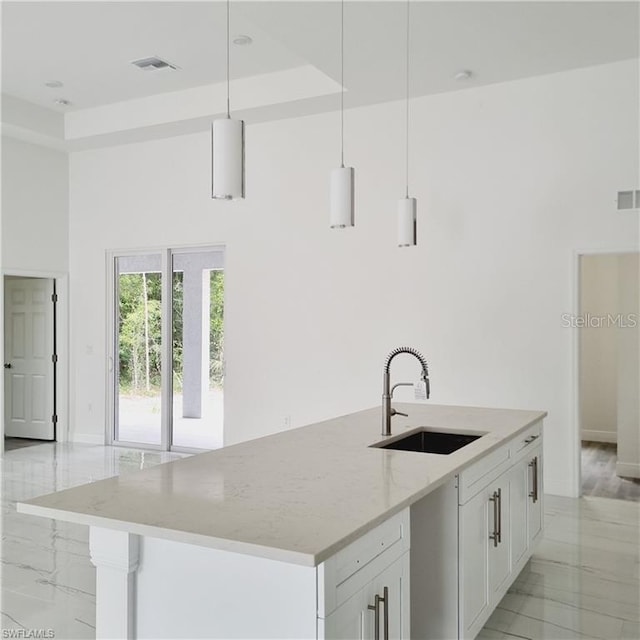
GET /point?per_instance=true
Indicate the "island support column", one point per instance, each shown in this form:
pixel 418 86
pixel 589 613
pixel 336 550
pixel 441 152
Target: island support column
pixel 115 555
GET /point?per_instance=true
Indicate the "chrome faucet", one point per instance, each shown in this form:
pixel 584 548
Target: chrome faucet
pixel 387 390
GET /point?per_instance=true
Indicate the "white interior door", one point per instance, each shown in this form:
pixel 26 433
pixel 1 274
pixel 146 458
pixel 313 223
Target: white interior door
pixel 28 351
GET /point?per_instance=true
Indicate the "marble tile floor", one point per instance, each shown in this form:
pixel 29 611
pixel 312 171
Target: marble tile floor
pixel 47 579
pixel 582 582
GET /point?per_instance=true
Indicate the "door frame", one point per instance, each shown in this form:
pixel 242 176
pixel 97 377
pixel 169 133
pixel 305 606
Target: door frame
pixel 111 346
pixel 61 324
pixel 111 343
pixel 576 420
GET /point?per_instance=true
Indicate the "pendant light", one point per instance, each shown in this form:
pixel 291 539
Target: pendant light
pixel 342 179
pixel 227 149
pixel 407 207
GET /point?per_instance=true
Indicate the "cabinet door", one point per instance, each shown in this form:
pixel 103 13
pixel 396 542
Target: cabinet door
pixel 535 500
pixel 499 555
pixel 473 563
pixel 355 619
pixel 347 622
pixel 519 488
pixel 394 583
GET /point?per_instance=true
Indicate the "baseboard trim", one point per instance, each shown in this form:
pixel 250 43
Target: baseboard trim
pixel 87 438
pixel 599 436
pixel 628 469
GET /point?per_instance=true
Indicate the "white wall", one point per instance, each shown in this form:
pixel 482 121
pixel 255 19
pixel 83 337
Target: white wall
pixel 35 207
pixel 599 348
pixel 35 238
pixel 511 179
pixel 628 463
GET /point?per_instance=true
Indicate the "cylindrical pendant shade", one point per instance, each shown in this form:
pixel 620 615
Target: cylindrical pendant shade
pixel 342 198
pixel 407 208
pixel 227 157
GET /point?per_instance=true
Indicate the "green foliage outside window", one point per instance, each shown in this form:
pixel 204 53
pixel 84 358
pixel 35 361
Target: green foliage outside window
pixel 140 331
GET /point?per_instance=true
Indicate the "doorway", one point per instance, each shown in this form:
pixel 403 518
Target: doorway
pixel 30 360
pixel 166 386
pixel 608 321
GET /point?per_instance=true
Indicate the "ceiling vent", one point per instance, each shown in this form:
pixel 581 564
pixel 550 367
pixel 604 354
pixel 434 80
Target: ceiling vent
pixel 628 200
pixel 153 64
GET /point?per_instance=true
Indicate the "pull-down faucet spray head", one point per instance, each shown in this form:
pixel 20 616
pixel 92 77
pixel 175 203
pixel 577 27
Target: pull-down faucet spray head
pixel 387 390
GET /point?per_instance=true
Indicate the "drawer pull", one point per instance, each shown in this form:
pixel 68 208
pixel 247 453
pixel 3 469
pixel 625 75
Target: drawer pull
pixel 496 498
pixel 376 612
pixel 499 515
pixel 531 439
pixel 385 614
pixel 534 466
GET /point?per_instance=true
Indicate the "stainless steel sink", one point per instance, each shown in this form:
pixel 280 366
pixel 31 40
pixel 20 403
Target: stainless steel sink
pixel 428 441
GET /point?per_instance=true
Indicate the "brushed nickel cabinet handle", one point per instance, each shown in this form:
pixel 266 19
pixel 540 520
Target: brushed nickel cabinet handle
pixel 495 535
pixel 385 616
pixel 376 612
pixel 499 515
pixel 534 492
pixel 531 439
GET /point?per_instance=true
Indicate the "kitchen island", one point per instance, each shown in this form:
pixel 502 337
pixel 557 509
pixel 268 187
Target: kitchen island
pixel 315 533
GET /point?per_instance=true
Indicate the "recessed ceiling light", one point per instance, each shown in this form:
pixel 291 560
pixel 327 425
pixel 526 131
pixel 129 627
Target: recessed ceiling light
pixel 242 40
pixel 54 84
pixel 463 76
pixel 62 102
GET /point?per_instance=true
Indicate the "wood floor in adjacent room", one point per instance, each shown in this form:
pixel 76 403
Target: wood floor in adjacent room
pixel 599 474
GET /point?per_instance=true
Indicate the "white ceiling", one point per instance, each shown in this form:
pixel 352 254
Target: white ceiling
pixel 498 41
pixel 89 47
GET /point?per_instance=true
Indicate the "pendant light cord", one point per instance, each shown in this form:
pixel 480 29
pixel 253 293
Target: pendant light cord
pixel 342 83
pixel 228 56
pixel 407 109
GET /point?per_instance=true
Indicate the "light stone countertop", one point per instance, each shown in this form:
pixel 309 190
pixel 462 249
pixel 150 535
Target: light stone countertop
pixel 297 496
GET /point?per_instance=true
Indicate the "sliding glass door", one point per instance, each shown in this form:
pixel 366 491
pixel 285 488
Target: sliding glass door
pixel 138 372
pixel 168 330
pixel 197 333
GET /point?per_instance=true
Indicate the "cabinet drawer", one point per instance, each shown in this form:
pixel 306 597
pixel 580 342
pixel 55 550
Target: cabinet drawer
pixel 355 619
pixel 526 440
pixel 346 572
pixel 480 474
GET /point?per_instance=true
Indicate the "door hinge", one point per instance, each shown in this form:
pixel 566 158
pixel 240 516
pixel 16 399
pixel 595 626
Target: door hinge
pixel 54 418
pixel 54 297
pixel 54 358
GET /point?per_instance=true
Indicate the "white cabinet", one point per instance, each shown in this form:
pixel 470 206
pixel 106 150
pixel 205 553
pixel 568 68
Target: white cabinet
pixel 484 545
pixel 519 484
pixel 363 590
pixel 474 563
pixel 471 537
pixel 526 506
pixel 498 525
pixel 499 537
pixel 535 511
pixel 379 611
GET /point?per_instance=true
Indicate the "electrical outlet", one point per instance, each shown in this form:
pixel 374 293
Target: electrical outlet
pixel 286 423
